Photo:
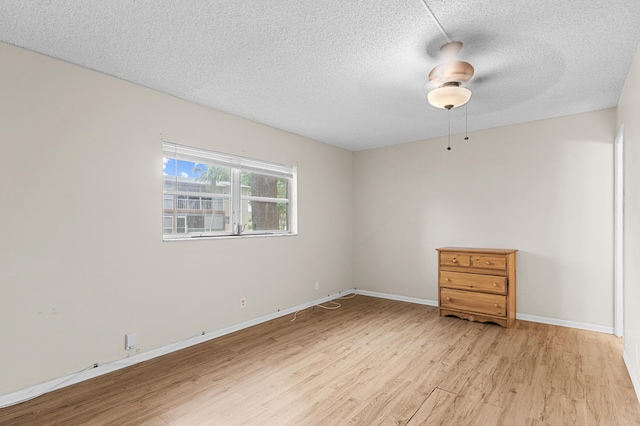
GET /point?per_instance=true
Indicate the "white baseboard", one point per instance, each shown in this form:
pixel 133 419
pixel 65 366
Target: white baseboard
pixel 91 372
pixel 565 323
pixel 632 373
pixel 524 317
pixel 398 298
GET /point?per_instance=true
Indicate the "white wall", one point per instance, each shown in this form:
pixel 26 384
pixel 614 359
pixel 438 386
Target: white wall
pixel 82 260
pixel 544 188
pixel 629 114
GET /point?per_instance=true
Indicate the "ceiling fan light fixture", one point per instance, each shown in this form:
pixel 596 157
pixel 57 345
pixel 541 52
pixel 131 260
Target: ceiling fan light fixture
pixel 449 96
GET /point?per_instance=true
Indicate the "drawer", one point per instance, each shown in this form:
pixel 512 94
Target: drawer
pixel 455 259
pixel 489 262
pixel 484 283
pixel 483 303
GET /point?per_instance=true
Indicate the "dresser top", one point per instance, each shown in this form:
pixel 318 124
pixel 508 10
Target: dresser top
pixel 478 250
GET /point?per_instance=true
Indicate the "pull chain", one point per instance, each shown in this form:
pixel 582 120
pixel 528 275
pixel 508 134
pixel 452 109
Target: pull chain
pixel 466 120
pixel 449 132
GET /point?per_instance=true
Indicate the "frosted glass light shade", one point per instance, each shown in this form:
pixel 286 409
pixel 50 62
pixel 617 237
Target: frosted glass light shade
pixel 447 97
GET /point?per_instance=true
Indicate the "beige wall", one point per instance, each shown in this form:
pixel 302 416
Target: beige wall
pixel 544 188
pixel 629 115
pixel 82 259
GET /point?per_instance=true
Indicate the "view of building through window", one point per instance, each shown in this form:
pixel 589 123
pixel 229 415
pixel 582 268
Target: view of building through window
pixel 216 194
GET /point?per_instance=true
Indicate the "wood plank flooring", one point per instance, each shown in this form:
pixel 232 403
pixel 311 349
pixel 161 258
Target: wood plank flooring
pixel 371 362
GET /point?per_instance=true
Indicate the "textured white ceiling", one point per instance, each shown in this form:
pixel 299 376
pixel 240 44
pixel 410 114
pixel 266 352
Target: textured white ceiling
pixel 349 73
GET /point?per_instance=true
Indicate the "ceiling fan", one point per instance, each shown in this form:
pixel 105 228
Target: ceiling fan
pixel 449 78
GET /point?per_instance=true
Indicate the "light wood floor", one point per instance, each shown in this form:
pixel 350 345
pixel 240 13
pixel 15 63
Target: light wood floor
pixel 371 362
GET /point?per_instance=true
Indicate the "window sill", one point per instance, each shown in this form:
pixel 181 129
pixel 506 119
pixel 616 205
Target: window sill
pixel 227 237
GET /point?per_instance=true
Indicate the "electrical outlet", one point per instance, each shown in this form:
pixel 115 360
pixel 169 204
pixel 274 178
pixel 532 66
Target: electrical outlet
pixel 243 302
pixel 317 285
pixel 130 340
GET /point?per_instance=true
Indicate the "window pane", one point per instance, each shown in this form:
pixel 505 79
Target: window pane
pixel 187 176
pixel 181 225
pixel 258 185
pixel 195 223
pixel 204 214
pixel 167 202
pixel 212 179
pixel 167 224
pixel 264 216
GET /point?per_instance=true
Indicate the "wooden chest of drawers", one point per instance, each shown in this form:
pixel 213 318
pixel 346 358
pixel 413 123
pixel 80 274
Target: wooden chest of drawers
pixel 477 284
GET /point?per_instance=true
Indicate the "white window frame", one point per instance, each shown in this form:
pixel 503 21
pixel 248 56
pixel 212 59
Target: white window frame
pixel 237 165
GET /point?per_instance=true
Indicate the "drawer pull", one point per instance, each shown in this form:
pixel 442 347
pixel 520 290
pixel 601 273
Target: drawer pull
pixel 487 262
pixel 448 298
pixel 495 285
pixel 454 260
pixel 495 305
pixel 446 279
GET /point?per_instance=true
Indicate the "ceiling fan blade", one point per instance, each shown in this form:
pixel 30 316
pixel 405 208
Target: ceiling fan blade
pixel 454 71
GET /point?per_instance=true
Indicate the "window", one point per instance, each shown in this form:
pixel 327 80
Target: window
pixel 209 194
